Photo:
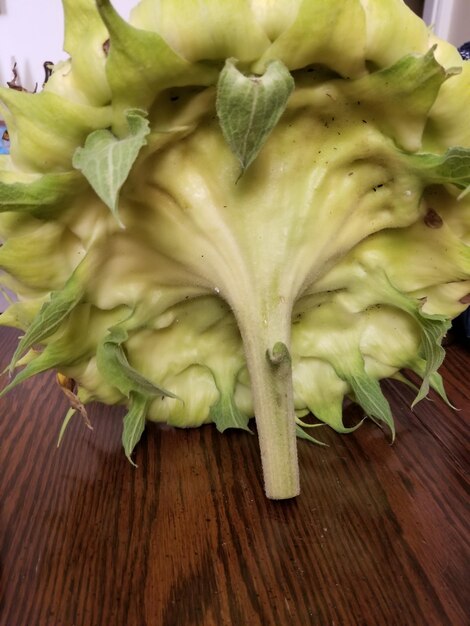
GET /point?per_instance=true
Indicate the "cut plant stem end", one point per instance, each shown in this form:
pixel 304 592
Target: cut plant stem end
pixel 270 368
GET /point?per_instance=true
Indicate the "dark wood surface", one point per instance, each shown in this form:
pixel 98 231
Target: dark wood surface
pixel 378 537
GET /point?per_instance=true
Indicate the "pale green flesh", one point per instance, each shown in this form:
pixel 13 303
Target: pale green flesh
pixel 218 297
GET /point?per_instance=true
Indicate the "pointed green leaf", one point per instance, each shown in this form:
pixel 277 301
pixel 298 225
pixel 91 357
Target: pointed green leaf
pixel 436 383
pixel 398 98
pixel 114 367
pixel 301 434
pixel 51 315
pixel 331 414
pixel 225 414
pixel 37 366
pixel 369 395
pixel 398 376
pixel 140 64
pixel 68 416
pixel 451 167
pixel 335 421
pixel 39 195
pixel 52 357
pixel 249 107
pixel 433 329
pixel 106 161
pixel 69 347
pixel 134 423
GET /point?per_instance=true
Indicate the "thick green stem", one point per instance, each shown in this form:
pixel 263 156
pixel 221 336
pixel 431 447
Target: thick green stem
pixel 269 364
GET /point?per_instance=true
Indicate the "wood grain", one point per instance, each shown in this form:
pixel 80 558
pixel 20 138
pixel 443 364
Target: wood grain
pixel 378 537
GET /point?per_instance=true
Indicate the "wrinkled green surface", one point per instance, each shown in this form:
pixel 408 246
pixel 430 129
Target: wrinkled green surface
pixel 158 275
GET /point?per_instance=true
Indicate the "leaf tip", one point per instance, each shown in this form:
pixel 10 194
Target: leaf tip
pixel 129 458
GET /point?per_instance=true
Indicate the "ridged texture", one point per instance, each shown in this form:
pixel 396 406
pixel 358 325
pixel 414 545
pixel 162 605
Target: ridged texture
pixel 367 246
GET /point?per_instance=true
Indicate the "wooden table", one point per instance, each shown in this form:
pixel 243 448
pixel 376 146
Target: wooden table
pixel 378 537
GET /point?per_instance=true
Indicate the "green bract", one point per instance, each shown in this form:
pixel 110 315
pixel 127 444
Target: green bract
pixel 238 208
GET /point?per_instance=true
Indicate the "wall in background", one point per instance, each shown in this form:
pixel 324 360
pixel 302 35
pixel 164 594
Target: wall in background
pixel 450 19
pixel 31 32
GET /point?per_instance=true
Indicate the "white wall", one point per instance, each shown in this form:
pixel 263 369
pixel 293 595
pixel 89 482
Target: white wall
pixel 450 19
pixel 31 32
